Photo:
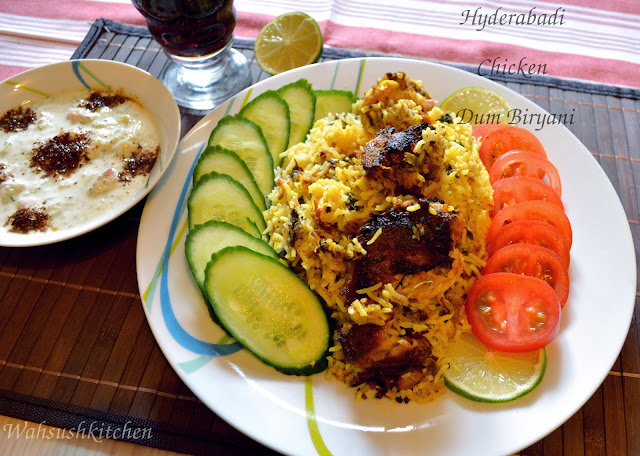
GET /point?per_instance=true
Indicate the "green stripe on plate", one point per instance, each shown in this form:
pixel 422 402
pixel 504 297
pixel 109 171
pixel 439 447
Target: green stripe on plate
pixel 147 296
pixel 178 237
pixel 312 423
pixel 360 73
pixel 96 78
pixel 18 85
pixel 246 98
pixel 194 364
pixel 335 74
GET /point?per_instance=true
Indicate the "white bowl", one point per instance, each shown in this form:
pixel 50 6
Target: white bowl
pixel 75 75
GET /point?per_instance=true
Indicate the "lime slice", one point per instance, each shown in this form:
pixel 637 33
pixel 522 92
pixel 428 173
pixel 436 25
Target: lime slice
pixel 484 375
pixel 477 105
pixel 289 41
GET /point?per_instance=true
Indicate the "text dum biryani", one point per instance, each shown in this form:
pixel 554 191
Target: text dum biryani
pixel 384 213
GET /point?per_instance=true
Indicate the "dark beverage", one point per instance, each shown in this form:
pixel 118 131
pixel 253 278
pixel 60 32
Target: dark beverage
pixel 203 69
pixel 189 28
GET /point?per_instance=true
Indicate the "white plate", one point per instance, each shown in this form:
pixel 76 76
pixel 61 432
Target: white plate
pixel 271 408
pixel 75 75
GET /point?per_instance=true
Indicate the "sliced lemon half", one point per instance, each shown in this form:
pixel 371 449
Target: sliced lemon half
pixel 485 375
pixel 476 105
pixel 289 41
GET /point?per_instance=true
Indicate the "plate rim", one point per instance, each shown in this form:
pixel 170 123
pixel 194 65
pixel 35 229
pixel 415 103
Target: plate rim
pixel 209 118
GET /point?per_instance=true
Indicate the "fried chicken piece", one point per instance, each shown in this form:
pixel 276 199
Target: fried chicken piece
pixel 412 379
pixel 383 158
pixel 371 345
pixel 388 360
pixel 408 242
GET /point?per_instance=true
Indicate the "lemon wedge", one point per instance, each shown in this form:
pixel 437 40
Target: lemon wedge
pixel 485 375
pixel 476 105
pixel 289 41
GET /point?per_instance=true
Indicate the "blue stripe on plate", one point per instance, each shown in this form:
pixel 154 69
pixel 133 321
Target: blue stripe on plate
pixel 181 335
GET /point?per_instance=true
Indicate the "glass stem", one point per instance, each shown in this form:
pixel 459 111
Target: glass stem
pixel 205 73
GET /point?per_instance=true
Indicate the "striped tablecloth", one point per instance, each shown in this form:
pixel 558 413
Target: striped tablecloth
pixel 585 39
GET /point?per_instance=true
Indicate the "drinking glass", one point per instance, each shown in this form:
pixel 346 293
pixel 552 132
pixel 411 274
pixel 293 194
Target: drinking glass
pixel 203 70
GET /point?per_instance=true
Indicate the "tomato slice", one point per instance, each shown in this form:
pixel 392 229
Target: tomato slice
pixel 505 139
pixel 512 190
pixel 522 163
pixel 486 128
pixel 514 313
pixel 533 261
pixel 543 211
pixel 531 232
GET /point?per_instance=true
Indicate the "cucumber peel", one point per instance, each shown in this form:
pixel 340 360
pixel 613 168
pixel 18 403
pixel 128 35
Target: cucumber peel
pixel 225 161
pixel 208 238
pixel 302 105
pixel 271 113
pixel 220 197
pixel 245 138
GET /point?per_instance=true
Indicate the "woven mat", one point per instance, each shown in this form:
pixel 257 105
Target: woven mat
pixel 76 351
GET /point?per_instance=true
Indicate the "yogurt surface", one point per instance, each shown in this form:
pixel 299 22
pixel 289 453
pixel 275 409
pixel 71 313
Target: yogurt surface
pixel 72 157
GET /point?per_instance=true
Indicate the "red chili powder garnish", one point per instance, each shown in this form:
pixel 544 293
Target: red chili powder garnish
pixel 17 119
pixel 138 164
pixel 97 100
pixel 61 154
pixel 28 219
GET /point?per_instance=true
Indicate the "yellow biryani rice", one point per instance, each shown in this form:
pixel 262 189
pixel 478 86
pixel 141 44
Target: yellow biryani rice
pixel 323 191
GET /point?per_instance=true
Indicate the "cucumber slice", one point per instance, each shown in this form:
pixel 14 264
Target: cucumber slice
pixel 333 102
pixel 271 113
pixel 206 239
pixel 220 197
pixel 253 228
pixel 269 310
pixel 246 139
pixel 224 161
pixel 302 104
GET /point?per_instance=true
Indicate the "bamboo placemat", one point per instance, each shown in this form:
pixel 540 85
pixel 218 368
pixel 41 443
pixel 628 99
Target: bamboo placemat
pixel 75 347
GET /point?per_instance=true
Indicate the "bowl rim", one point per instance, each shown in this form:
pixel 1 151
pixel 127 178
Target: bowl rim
pixel 168 123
